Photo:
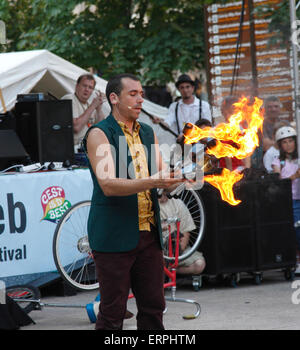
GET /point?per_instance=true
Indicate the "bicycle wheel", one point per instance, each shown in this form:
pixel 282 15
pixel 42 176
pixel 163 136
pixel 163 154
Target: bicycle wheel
pixel 71 250
pixel 194 204
pixel 21 293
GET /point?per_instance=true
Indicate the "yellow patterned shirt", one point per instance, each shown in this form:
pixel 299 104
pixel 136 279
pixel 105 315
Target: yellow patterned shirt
pixel 140 166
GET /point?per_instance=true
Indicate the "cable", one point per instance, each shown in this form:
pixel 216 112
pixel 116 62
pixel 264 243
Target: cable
pixel 42 167
pixel 11 167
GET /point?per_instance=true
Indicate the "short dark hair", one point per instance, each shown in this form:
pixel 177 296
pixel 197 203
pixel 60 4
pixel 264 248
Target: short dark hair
pixel 271 99
pixel 203 122
pixel 228 101
pixel 86 76
pixel 115 84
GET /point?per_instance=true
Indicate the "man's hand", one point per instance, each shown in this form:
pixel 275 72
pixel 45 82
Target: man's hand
pixel 296 175
pixel 167 180
pixel 180 139
pixel 156 120
pixel 98 100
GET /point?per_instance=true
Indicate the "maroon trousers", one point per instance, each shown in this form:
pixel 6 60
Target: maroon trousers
pixel 140 269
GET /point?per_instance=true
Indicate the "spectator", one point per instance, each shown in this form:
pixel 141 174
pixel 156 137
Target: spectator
pixel 170 208
pixel 272 107
pixel 227 109
pixel 210 161
pixel 85 113
pixel 266 139
pixel 287 166
pixel 187 109
pixel 227 106
pixel 273 151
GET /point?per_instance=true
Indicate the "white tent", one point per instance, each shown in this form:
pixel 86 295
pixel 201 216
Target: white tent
pixel 42 71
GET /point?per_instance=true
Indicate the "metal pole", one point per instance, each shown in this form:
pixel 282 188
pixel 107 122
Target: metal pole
pixel 253 49
pixel 293 24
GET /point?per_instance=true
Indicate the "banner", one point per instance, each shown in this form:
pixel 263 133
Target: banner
pixel 30 207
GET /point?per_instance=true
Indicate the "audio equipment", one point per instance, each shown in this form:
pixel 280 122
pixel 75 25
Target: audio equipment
pixel 121 103
pixel 12 151
pixel 274 221
pixel 31 97
pixel 7 121
pixel 229 241
pixel 256 235
pixel 46 130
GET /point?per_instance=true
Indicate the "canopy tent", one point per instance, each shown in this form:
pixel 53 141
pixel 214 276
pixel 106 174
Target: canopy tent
pixel 42 71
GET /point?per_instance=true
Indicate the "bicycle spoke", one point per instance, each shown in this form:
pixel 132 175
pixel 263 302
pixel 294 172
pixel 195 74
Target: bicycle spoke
pixel 71 251
pixel 194 204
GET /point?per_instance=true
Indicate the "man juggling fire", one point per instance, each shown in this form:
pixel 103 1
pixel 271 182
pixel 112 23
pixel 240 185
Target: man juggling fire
pixel 124 227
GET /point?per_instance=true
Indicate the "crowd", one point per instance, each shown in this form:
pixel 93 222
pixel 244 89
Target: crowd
pixel 125 249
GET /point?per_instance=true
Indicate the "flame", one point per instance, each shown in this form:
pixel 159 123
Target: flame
pixel 224 184
pixel 241 131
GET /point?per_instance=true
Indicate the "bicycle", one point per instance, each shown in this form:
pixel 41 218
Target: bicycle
pixel 72 254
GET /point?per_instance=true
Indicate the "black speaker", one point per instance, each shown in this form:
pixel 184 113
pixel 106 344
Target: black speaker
pixel 7 121
pixel 46 130
pixel 275 233
pixel 12 151
pixel 229 240
pixel 254 236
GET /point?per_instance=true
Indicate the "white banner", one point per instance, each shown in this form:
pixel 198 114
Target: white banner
pixel 30 206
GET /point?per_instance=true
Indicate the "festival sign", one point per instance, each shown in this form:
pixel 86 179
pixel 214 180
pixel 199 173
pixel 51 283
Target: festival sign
pixel 54 203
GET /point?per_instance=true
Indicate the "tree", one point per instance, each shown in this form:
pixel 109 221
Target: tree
pixel 154 38
pixel 280 26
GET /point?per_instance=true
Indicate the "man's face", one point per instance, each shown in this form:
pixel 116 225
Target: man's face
pixel 227 111
pixel 84 89
pixel 131 98
pixel 186 90
pixel 164 198
pixel 272 109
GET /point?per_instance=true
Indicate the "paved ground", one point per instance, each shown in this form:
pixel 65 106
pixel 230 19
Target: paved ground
pixel 272 305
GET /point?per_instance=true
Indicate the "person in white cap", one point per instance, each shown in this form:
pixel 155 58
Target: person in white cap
pixel 287 166
pixel 273 151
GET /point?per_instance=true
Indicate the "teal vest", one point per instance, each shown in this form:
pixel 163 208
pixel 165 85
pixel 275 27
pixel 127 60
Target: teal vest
pixel 113 221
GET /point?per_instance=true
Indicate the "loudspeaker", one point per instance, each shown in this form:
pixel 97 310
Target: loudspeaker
pixel 12 151
pixel 7 121
pixel 46 130
pixel 256 235
pixel 275 233
pixel 229 241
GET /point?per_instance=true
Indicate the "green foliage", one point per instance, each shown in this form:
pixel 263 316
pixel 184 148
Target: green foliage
pixel 280 25
pixel 152 38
